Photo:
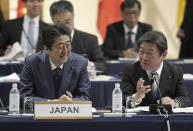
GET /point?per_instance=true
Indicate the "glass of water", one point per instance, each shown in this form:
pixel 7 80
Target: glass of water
pixel 28 105
pixel 130 102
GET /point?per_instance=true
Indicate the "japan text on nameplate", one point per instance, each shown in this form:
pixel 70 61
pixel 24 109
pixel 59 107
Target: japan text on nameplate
pixel 63 110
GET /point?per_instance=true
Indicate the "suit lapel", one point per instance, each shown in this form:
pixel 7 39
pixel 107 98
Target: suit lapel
pixel 121 34
pixel 164 81
pixel 20 28
pixel 46 74
pixel 139 32
pixel 77 43
pixel 68 70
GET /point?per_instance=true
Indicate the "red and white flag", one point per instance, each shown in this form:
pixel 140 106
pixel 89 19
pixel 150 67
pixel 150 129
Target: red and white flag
pixel 108 12
pixel 21 10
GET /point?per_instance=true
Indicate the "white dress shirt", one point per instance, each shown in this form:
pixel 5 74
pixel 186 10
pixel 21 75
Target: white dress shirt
pixel 133 36
pixel 24 40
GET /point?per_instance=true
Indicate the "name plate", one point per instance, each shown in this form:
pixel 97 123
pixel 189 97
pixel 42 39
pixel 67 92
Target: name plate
pixel 63 110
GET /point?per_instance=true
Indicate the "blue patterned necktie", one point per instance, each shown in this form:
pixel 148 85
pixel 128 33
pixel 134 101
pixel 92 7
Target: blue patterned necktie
pixel 155 84
pixel 57 75
pixel 130 44
pixel 31 43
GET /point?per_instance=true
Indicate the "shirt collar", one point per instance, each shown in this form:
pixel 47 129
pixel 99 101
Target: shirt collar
pixel 134 29
pixel 35 19
pixel 159 70
pixel 53 67
pixel 72 35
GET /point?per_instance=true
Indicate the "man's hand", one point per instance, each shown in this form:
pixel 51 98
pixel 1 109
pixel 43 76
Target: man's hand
pixel 66 97
pixel 168 100
pixel 8 50
pixel 141 90
pixel 90 66
pixel 130 53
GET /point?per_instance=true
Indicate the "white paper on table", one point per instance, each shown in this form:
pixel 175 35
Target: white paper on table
pixel 185 110
pixel 188 61
pixel 138 109
pixel 188 77
pixel 103 78
pixel 128 59
pixel 10 78
pixel 16 53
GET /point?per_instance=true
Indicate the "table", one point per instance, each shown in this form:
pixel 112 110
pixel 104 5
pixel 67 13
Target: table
pixel 148 122
pixel 100 93
pixel 116 67
pixel 9 68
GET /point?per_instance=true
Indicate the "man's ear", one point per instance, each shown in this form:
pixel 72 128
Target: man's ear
pixel 165 53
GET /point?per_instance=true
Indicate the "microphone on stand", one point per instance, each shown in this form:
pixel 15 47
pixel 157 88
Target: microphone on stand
pixel 156 108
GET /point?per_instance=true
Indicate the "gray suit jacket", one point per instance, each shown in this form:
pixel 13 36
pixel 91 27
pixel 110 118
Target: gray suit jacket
pixel 37 81
pixel 171 83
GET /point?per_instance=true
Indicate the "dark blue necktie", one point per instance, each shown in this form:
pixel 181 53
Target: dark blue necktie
pixel 155 85
pixel 130 44
pixel 57 75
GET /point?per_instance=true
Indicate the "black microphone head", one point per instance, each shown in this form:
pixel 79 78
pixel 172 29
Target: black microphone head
pixel 151 81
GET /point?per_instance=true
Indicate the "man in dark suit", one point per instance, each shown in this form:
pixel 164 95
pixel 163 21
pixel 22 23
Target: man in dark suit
pixel 136 79
pixel 84 44
pixel 185 33
pixel 122 36
pixel 18 29
pixel 55 73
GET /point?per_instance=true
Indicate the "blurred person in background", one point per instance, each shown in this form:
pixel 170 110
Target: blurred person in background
pixel 185 33
pixel 122 36
pixel 85 44
pixel 24 30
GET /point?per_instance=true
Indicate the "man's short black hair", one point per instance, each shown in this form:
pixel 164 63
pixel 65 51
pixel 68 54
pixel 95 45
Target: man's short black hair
pixel 50 33
pixel 61 7
pixel 130 4
pixel 154 37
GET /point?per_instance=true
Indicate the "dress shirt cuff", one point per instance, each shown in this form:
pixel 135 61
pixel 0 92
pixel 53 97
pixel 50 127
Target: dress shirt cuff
pixel 177 103
pixel 137 103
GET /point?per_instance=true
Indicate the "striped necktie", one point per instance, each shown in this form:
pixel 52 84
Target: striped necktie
pixel 130 44
pixel 31 43
pixel 155 84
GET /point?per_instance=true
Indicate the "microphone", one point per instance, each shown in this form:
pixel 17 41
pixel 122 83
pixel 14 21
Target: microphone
pixel 154 108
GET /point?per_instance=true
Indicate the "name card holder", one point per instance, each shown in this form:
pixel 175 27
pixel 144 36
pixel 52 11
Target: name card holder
pixel 63 110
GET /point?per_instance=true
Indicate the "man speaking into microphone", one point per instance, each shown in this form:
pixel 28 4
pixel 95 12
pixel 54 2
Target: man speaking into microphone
pixel 137 78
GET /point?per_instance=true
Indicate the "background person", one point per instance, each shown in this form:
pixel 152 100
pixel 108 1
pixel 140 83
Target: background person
pixel 85 44
pixel 185 32
pixel 122 36
pixel 25 30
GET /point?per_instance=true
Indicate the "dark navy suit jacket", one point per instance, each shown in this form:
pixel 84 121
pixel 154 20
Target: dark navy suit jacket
pixel 114 43
pixel 37 81
pixel 171 83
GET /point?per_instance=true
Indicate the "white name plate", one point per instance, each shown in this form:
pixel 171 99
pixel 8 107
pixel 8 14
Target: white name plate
pixel 63 110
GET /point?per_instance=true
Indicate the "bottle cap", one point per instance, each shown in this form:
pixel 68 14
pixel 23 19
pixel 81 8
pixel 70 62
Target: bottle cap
pixel 14 85
pixel 117 85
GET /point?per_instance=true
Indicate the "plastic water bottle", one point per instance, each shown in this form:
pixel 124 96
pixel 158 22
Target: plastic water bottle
pixel 14 100
pixel 117 99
